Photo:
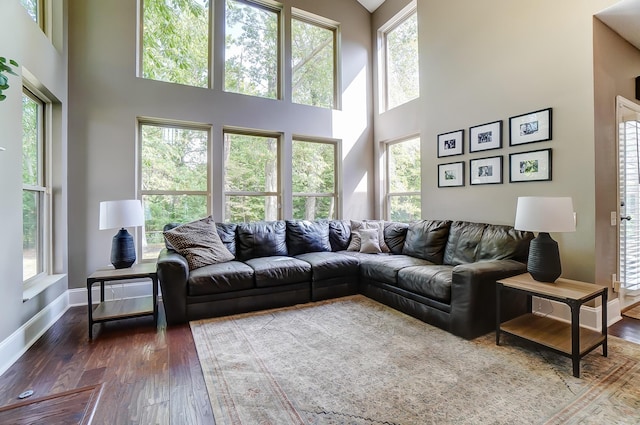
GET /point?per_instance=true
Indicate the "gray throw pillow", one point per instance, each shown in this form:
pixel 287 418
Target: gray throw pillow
pixel 369 241
pixel 199 243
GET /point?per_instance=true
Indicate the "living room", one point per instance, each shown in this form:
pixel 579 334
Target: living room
pixel 479 62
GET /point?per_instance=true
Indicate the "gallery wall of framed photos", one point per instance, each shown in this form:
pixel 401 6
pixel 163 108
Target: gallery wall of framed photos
pixel 523 165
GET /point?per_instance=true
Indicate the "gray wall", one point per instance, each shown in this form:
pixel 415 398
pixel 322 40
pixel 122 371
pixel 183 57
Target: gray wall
pixel 106 97
pixel 45 66
pixel 490 60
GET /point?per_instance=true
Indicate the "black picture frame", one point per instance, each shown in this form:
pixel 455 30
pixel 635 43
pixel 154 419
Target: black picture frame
pixel 531 127
pixel 530 166
pixel 451 143
pixel 485 137
pixel 486 170
pixel 451 174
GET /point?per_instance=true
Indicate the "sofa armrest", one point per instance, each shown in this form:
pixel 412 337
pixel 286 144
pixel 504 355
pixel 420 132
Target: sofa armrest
pixel 473 296
pixel 173 273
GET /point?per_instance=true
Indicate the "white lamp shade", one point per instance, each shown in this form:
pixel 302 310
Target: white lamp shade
pixel 545 214
pixel 117 214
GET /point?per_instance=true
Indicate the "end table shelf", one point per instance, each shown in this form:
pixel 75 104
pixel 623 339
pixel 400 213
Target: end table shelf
pixel 123 308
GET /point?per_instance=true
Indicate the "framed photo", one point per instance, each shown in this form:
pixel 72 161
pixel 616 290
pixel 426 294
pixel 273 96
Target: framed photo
pixel 450 144
pixel 530 128
pixel 451 175
pixel 485 170
pixel 530 166
pixel 486 136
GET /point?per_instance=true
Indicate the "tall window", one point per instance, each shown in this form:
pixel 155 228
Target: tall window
pixel 403 180
pixel 251 49
pixel 313 50
pixel 174 178
pixel 34 203
pixel 175 41
pixel 251 177
pixel 401 72
pixel 314 180
pixel 34 9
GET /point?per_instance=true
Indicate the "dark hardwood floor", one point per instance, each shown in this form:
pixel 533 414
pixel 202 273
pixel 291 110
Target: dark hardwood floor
pixel 149 376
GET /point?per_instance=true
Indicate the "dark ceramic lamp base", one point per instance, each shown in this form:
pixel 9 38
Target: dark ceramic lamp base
pixel 544 259
pixel 123 252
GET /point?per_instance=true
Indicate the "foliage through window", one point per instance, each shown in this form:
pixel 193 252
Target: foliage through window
pixel 175 41
pixel 33 187
pixel 401 65
pixel 403 180
pixel 174 177
pixel 314 180
pixel 251 49
pixel 33 9
pixel 313 64
pixel 251 177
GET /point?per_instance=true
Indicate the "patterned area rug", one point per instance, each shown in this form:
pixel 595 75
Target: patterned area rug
pixel 355 361
pixel 633 312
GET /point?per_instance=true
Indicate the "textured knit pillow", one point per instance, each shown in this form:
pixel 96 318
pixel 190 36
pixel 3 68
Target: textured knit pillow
pixel 369 241
pixel 354 244
pixel 199 243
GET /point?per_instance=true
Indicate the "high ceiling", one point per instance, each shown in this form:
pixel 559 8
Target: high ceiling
pixel 624 18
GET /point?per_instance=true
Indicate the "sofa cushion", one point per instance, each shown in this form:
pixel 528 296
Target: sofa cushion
pixel 394 236
pixel 219 278
pixel 463 242
pixel 504 243
pixel 261 239
pixel 354 244
pixel 432 281
pixel 227 233
pixel 279 270
pixel 339 234
pixel 427 239
pixel 199 243
pixel 329 265
pixel 307 236
pixel 384 268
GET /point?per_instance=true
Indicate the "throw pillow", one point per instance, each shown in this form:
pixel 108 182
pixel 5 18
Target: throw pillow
pixel 354 245
pixel 199 243
pixel 369 241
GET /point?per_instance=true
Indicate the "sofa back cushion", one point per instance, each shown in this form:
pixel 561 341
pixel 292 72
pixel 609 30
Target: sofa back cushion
pixel 395 235
pixel 261 239
pixel 307 236
pixel 339 234
pixel 427 239
pixel 504 242
pixel 463 243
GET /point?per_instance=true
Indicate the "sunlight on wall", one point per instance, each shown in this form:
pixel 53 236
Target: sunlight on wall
pixel 351 121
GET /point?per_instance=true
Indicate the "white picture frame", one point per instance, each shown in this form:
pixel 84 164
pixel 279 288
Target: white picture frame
pixel 485 170
pixel 531 127
pixel 451 174
pixel 485 137
pixel 450 144
pixel 530 166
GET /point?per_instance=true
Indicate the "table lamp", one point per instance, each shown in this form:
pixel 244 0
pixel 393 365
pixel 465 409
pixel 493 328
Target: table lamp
pixel 544 215
pixel 121 214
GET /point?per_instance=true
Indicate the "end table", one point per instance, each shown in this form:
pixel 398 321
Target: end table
pixel 124 308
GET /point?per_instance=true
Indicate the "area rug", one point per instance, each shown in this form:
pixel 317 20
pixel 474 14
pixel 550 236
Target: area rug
pixel 633 312
pixel 355 361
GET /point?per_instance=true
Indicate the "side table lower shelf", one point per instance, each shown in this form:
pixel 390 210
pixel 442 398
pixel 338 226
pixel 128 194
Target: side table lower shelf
pixel 118 309
pixel 551 333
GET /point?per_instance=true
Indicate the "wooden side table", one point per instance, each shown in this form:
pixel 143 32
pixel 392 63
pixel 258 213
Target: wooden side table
pixel 123 308
pixel 569 339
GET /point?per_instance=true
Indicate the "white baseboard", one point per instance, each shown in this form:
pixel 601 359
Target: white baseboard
pixel 116 291
pixel 590 317
pixel 24 337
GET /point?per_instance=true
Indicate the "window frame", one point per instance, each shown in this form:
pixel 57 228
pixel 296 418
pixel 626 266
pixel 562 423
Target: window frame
pixel 43 247
pixel 269 6
pixel 383 62
pixel 279 137
pixel 336 173
pixel 334 27
pixel 388 194
pixel 171 124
